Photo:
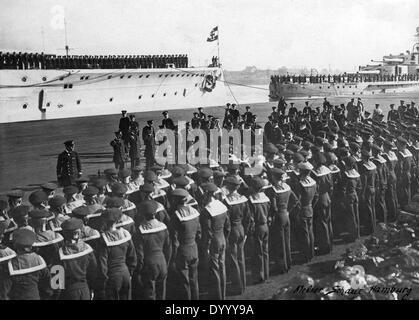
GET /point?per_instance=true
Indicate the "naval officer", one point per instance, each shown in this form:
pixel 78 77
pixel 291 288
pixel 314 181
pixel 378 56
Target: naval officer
pixel 68 165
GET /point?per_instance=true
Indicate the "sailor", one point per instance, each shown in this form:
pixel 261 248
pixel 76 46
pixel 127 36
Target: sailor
pixel 149 139
pixel 167 123
pixel 134 149
pixel 153 248
pixel 125 221
pixel 322 224
pixel 14 199
pixel 186 232
pixel 47 241
pixel 391 192
pixel 68 165
pixel 49 189
pixel 87 233
pixel 69 193
pixel 368 172
pixel 6 254
pixel 377 113
pixel 305 190
pixel 82 184
pixel 28 276
pixel 125 178
pixel 79 262
pixel 248 116
pixel 216 226
pixel 403 170
pixel 118 151
pixel 39 201
pixel 351 186
pixel 292 112
pixel 381 187
pixel 111 176
pixel 57 208
pixel 124 128
pixel 116 259
pixel 241 223
pixel 260 207
pixel 100 184
pixel 94 206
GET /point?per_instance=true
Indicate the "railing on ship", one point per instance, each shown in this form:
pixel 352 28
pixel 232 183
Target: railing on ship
pixel 342 78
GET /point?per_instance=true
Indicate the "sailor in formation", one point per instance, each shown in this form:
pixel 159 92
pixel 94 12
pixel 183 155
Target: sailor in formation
pixel 138 233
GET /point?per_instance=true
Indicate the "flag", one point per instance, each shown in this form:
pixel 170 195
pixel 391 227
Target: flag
pixel 213 35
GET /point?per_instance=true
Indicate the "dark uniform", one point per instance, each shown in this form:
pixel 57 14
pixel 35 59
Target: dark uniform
pixel 216 225
pixel 28 277
pixel 118 153
pixel 381 188
pixel 305 190
pixel 404 174
pixel 351 185
pixel 322 223
pixel 149 136
pixel 240 220
pixel 368 172
pixel 391 192
pixel 116 260
pixel 153 247
pixel 68 167
pixel 186 231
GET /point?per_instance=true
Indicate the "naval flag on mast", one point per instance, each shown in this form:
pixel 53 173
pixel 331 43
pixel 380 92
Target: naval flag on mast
pixel 213 35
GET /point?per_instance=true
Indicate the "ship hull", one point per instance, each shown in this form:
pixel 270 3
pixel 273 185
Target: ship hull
pixel 311 90
pixel 32 95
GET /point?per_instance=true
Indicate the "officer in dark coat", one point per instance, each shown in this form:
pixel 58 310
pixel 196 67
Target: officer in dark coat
pixel 167 123
pixel 149 138
pixel 68 165
pixel 118 151
pixel 124 127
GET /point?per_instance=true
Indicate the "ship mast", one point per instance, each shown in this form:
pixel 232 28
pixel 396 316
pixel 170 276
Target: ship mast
pixel 67 49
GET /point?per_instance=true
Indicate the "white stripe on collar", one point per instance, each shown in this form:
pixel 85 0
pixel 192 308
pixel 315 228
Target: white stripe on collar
pixel 109 243
pixel 285 186
pixel 216 208
pixel 380 159
pixel 334 169
pixel 59 238
pixel 369 166
pixel 162 184
pixel 391 156
pixel 125 222
pixel 95 235
pixel 74 255
pixel 161 193
pixel 160 207
pixel 241 199
pixel 261 199
pixel 94 215
pixel 406 154
pixel 352 174
pixel 131 206
pixel 323 170
pixel 10 256
pixel 39 267
pixel 308 184
pixel 160 226
pixel 194 215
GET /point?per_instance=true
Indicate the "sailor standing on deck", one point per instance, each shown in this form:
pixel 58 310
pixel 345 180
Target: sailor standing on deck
pixel 68 165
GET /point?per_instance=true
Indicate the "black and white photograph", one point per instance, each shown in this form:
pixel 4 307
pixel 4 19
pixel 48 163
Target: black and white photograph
pixel 226 151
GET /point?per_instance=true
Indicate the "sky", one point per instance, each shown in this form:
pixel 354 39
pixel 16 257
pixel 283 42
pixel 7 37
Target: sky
pixel 340 34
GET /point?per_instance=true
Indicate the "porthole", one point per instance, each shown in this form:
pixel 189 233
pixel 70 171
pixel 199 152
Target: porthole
pixel 160 76
pixel 86 78
pixel 70 86
pixel 152 95
pixel 48 104
pixel 183 75
pixel 65 86
pixel 61 79
pixel 172 75
pixel 25 106
pixel 109 77
pixel 111 99
pixel 356 86
pixel 176 93
pixel 139 97
pixel 130 76
pixel 196 84
pixel 328 87
pixel 320 87
pixel 44 78
pixel 122 77
pixel 24 79
pixel 78 101
pixel 140 76
pixel 147 76
pixel 164 94
pixel 166 75
pixel 338 87
pixel 177 75
pixel 82 78
pixel 187 75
